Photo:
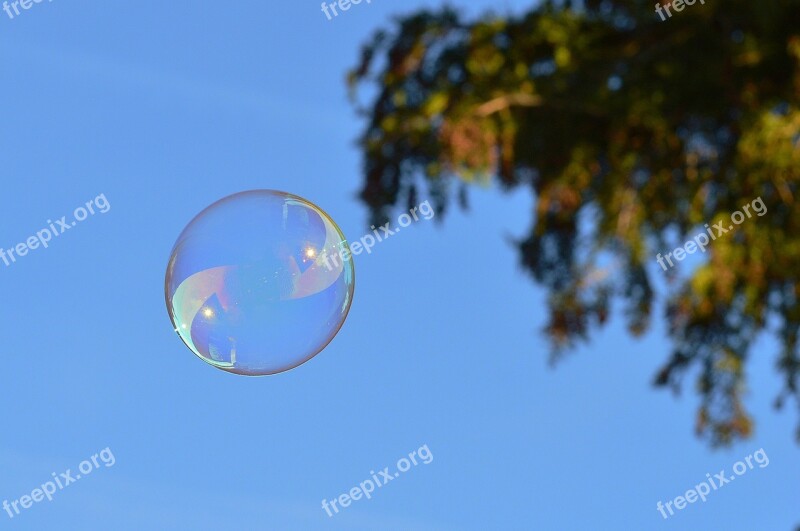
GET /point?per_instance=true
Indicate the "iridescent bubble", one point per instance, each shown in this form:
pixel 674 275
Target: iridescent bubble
pixel 248 288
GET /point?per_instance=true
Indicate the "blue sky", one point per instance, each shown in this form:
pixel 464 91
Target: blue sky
pixel 166 107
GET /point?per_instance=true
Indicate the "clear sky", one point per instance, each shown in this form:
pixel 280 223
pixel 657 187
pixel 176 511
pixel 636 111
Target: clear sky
pixel 166 107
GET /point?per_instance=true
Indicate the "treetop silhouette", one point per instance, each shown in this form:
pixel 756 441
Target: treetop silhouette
pixel 632 133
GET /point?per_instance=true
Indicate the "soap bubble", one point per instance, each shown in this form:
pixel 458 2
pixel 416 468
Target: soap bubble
pixel 247 286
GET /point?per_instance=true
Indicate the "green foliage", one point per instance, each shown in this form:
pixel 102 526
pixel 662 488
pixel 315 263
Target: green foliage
pixel 631 133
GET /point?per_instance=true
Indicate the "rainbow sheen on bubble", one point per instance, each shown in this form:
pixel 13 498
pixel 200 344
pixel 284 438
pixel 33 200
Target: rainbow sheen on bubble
pixel 247 289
